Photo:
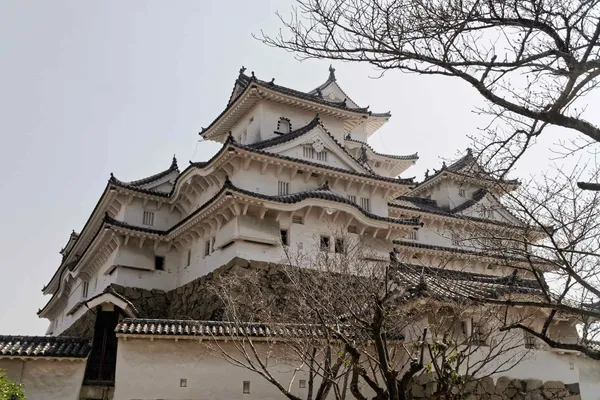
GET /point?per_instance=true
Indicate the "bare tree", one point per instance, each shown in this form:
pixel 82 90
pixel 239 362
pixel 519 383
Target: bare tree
pixel 532 61
pixel 354 324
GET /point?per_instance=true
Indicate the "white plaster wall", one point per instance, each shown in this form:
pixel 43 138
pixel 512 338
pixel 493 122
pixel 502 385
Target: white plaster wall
pixel 163 217
pixel 46 379
pixel 589 378
pixel 267 183
pixel 153 370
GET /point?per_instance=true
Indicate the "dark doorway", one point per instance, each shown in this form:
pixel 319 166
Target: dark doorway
pixel 102 361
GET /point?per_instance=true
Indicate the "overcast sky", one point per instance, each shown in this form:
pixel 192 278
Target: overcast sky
pixel 90 88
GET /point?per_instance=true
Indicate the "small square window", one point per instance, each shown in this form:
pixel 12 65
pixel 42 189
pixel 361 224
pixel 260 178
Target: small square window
pixel 340 246
pixel 159 263
pixel 246 387
pixel 352 229
pixel 325 243
pixel 412 235
pixel 461 192
pixel 284 237
pixel 365 203
pixel 297 220
pixel 302 383
pixel 183 383
pixel 189 258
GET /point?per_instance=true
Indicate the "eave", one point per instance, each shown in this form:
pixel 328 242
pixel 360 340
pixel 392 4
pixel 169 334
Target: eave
pixel 255 92
pixel 490 184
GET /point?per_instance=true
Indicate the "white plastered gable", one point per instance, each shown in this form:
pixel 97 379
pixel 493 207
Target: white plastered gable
pixel 319 141
pixel 488 202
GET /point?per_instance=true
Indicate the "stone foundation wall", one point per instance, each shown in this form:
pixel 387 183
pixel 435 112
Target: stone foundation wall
pixel 503 389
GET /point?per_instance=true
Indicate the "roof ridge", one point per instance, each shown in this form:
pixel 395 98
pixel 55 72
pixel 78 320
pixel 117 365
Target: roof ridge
pixel 139 182
pixel 407 157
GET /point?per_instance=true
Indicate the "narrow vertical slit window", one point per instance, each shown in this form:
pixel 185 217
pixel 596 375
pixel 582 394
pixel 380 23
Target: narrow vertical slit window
pixel 189 258
pixel 340 246
pixel 284 237
pixel 246 387
pixel 207 247
pixel 84 289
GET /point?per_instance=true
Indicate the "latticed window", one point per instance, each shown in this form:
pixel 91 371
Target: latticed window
pixel 352 229
pixel 455 239
pixel 308 152
pixel 412 235
pixel 530 342
pixel 365 203
pixel 297 219
pixel 283 188
pixel 148 218
pixel 352 198
pixel 322 155
pixel 325 243
pixel 461 192
pixel 84 289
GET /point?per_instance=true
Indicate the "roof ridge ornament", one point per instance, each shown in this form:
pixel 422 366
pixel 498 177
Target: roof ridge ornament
pixel 242 70
pixel 174 163
pixel 331 73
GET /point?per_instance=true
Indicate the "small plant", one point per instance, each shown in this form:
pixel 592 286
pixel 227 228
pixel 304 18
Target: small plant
pixel 10 390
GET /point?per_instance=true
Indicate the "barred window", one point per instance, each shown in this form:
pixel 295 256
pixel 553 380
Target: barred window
pixel 84 289
pixel 148 218
pixel 365 203
pixel 322 156
pixel 325 243
pixel 297 219
pixel 283 188
pixel 308 152
pixel 461 192
pixel 352 198
pixel 412 235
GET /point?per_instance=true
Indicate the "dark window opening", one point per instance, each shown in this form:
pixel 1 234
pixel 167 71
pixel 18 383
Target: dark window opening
pixel 284 237
pixel 340 246
pixel 189 258
pixel 206 248
pixel 325 243
pixel 246 387
pixel 159 263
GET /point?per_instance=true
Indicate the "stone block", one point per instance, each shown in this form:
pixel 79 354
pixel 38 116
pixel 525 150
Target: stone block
pixel 488 385
pixel 532 384
pixel 424 379
pixel 554 385
pixel 418 391
pixel 573 388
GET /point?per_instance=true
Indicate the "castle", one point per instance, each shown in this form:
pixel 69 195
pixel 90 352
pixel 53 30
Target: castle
pixel 291 164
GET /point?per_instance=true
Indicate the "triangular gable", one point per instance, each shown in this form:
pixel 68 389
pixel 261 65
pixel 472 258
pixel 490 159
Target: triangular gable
pixel 317 139
pixel 331 91
pixel 490 202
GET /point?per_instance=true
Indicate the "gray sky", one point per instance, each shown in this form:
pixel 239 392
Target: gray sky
pixel 89 88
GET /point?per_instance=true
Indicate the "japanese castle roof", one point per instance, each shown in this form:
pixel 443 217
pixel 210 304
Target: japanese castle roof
pixel 245 83
pixel 410 157
pixel 44 346
pixel 465 167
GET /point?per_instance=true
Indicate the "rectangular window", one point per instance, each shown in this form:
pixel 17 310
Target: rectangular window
pixel 352 198
pixel 189 258
pixel 84 289
pixel 322 156
pixel 183 383
pixel 365 203
pixel 308 152
pixel 297 220
pixel 464 327
pixel 212 245
pixel 159 263
pixel 352 229
pixel 477 334
pixel 302 383
pixel 283 188
pixel 207 247
pixel 412 235
pixel 529 340
pixel 340 246
pixel 246 387
pixel 325 243
pixel 284 237
pixel 148 218
pixel 461 192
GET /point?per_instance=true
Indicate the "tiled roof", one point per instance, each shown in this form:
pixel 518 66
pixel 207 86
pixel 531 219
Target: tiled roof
pixel 408 157
pixel 458 167
pixel 323 192
pixel 476 198
pixel 469 252
pixel 44 346
pixel 430 206
pixel 135 326
pixel 244 82
pixel 445 283
pixel 155 177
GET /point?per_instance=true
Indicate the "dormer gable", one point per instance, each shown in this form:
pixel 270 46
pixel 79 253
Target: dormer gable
pixel 161 182
pixel 331 91
pixel 314 143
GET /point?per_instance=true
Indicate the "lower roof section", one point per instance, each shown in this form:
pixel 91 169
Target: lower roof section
pixel 44 347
